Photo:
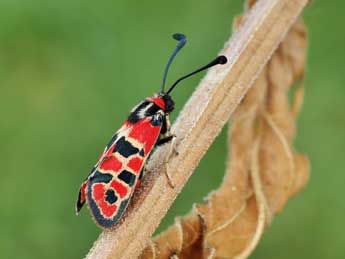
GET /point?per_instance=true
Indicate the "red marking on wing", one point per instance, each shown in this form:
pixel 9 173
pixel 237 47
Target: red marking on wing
pixel 83 192
pixel 144 132
pixel 110 150
pixel 135 164
pixel 106 152
pixel 137 184
pixel 119 188
pixel 107 209
pixel 158 101
pixel 111 163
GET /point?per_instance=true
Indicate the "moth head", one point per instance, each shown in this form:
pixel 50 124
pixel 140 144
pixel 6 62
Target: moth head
pixel 163 101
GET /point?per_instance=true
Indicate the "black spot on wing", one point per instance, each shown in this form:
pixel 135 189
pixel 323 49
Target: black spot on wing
pixel 112 141
pixel 125 148
pixel 99 177
pixel 97 215
pixel 142 152
pixel 110 196
pixel 134 115
pixel 127 177
pixel 152 110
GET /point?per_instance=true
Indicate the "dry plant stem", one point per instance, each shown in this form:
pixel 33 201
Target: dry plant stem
pixel 199 123
pixel 263 169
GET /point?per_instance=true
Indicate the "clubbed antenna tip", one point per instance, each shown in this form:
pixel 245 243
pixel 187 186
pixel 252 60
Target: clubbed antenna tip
pixel 218 60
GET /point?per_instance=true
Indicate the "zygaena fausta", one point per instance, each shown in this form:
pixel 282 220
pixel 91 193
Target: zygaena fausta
pixel 117 174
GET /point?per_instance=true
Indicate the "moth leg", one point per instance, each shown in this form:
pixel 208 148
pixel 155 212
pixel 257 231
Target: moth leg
pixel 165 137
pixel 172 149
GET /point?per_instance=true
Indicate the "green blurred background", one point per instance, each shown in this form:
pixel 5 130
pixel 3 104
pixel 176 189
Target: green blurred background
pixel 71 70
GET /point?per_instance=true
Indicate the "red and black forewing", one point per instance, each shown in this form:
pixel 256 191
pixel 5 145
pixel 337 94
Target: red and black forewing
pixel 110 186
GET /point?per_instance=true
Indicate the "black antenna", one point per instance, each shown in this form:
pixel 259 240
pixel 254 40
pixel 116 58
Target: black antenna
pixel 218 60
pixel 181 38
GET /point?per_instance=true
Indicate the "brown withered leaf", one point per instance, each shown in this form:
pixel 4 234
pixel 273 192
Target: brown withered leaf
pixel 264 170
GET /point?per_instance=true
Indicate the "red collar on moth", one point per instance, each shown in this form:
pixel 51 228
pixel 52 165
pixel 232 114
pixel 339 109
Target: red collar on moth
pixel 158 101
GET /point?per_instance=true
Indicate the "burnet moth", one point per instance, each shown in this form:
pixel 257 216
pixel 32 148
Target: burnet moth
pixel 117 174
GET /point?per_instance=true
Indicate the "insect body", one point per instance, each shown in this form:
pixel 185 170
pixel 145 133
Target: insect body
pixel 116 175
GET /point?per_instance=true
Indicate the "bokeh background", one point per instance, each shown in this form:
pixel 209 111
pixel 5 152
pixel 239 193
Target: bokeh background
pixel 70 71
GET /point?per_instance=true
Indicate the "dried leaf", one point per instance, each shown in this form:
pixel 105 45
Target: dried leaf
pixel 264 170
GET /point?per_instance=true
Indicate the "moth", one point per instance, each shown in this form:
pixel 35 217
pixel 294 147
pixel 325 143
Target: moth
pixel 117 174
